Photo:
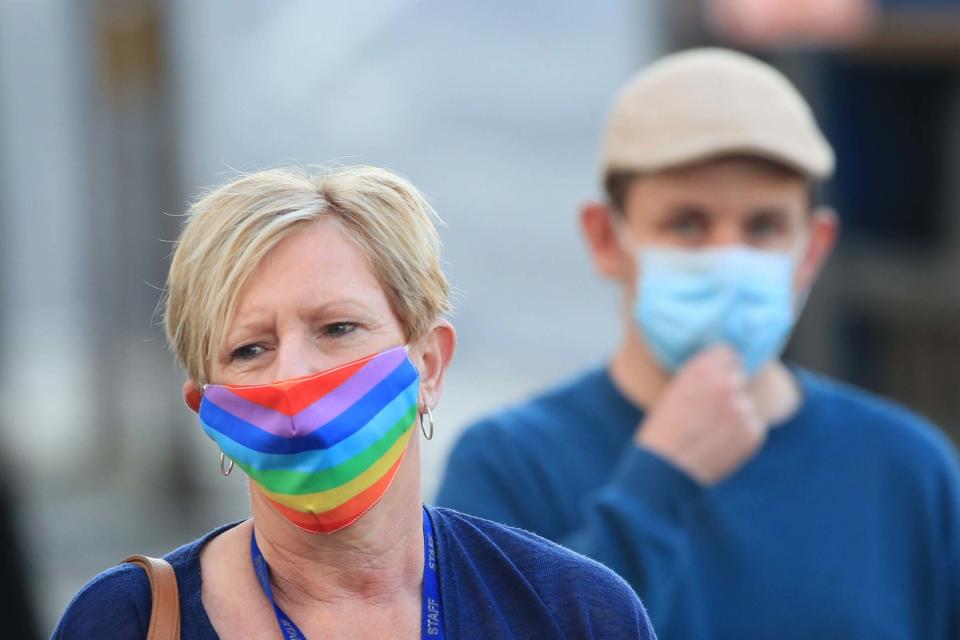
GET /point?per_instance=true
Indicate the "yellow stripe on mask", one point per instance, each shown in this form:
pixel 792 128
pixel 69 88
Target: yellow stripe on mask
pixel 333 498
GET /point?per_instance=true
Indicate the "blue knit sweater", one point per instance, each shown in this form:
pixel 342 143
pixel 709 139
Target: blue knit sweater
pixel 846 524
pixel 495 582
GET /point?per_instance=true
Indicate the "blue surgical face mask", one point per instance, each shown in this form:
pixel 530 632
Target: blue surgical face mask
pixel 688 300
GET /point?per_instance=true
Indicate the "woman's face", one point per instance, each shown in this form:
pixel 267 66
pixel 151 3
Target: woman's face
pixel 313 303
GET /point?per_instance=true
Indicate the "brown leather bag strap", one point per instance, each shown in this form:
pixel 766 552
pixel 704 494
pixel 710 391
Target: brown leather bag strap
pixel 165 612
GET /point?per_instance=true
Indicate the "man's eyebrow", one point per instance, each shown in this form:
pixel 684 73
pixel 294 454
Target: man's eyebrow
pixel 687 208
pixel 769 210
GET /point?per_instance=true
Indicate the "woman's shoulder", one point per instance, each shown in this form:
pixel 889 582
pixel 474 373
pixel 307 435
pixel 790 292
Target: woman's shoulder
pixel 471 533
pixel 581 597
pixel 114 604
pixel 117 602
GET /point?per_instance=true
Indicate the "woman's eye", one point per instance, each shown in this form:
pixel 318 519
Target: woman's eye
pixel 246 352
pixel 338 329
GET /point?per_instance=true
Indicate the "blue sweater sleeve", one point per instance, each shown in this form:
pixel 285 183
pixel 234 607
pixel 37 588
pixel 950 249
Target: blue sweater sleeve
pixel 636 524
pixel 950 501
pixel 115 604
pixel 487 477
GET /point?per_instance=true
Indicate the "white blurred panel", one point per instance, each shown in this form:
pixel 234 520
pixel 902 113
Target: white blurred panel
pixel 494 109
pixel 44 323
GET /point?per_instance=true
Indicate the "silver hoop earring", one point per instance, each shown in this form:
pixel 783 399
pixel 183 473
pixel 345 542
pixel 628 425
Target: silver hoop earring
pixel 229 469
pixel 429 415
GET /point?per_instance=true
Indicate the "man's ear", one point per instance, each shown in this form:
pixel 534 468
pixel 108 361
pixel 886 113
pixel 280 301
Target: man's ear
pixel 824 230
pixel 598 227
pixel 436 351
pixel 191 395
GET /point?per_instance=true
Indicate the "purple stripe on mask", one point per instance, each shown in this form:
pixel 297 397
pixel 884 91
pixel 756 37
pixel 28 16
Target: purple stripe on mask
pixel 317 414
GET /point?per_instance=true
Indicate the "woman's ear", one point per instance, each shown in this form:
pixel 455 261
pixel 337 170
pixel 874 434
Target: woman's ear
pixel 824 229
pixel 597 225
pixel 435 354
pixel 191 395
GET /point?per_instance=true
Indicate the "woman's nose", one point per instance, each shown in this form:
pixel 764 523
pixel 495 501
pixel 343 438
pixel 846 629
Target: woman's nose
pixel 297 357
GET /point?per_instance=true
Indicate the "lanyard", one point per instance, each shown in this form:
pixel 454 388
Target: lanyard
pixel 431 619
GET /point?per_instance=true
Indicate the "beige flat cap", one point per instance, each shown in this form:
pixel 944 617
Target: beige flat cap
pixel 702 103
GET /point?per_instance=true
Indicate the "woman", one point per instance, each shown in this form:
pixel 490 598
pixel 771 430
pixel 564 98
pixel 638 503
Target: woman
pixel 307 313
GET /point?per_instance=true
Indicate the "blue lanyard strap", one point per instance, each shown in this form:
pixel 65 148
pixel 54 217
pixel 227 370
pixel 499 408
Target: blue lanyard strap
pixel 289 629
pixel 431 619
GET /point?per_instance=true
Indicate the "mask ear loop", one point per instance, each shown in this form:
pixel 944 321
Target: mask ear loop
pixel 429 415
pixel 800 298
pixel 625 239
pixel 225 470
pixel 621 229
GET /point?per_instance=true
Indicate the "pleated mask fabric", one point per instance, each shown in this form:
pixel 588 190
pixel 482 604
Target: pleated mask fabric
pixel 323 448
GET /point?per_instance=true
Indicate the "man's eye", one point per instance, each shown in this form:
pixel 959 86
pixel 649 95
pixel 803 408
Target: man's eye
pixel 687 227
pixel 765 228
pixel 338 329
pixel 246 352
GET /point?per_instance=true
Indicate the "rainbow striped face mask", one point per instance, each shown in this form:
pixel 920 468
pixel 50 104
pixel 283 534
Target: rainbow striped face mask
pixel 322 448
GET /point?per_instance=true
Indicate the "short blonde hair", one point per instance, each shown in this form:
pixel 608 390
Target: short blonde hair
pixel 230 230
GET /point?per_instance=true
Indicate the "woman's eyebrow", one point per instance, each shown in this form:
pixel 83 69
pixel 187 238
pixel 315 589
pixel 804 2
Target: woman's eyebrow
pixel 260 319
pixel 336 307
pixel 255 320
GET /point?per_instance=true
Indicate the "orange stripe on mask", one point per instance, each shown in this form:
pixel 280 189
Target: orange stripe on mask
pixel 347 513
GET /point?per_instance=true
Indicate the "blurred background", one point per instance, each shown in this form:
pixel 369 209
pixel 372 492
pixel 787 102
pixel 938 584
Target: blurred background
pixel 115 113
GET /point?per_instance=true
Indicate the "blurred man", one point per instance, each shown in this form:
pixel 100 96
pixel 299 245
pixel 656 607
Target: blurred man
pixel 741 497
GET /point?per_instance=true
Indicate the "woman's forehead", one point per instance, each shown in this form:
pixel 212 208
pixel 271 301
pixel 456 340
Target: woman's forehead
pixel 315 264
